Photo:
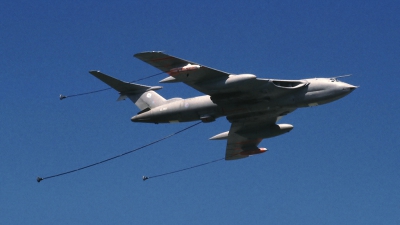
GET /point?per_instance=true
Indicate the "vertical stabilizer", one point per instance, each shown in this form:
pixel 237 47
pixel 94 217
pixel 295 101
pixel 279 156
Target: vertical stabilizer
pixel 148 99
pixel 143 96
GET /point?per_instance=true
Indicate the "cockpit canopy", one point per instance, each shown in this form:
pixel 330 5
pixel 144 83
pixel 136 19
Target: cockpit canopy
pixel 292 84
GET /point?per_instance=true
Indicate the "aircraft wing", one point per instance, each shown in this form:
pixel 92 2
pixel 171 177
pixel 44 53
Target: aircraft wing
pixel 237 144
pixel 223 87
pixel 248 131
pixel 202 78
pixel 180 70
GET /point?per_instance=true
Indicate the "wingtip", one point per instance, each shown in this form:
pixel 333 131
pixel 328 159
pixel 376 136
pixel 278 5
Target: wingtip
pixel 146 52
pixel 94 71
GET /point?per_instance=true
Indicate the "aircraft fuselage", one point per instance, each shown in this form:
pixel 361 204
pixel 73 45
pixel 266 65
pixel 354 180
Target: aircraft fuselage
pixel 310 92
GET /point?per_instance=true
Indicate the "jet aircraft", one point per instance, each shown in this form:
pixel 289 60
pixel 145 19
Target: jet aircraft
pixel 252 105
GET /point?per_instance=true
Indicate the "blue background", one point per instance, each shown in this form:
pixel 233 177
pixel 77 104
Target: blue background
pixel 339 165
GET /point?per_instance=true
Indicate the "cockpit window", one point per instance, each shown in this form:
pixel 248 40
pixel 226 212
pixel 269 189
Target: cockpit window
pixel 334 80
pixel 288 84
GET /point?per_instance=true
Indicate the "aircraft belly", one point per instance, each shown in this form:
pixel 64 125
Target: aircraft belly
pixel 200 107
pixel 190 115
pixel 234 110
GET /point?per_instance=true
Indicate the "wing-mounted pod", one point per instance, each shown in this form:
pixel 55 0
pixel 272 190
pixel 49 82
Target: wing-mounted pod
pixel 221 136
pixel 265 132
pixel 253 151
pixel 176 74
pixel 257 132
pixel 232 82
pixel 243 140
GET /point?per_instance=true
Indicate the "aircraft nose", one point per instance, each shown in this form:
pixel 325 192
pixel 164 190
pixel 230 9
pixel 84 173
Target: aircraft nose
pixel 349 87
pixel 134 119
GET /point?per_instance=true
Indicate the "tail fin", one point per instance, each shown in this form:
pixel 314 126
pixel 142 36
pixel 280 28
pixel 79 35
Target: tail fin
pixel 143 96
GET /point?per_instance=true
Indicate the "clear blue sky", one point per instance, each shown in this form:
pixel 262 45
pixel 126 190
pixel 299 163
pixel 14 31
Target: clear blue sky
pixel 339 165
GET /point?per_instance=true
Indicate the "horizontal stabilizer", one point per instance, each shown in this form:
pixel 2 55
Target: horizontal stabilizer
pixel 121 86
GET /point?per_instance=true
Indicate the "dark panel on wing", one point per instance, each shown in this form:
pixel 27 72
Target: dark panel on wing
pixel 179 69
pixel 238 146
pixel 248 130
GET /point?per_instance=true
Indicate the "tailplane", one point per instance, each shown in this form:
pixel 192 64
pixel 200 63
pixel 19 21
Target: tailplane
pixel 143 96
